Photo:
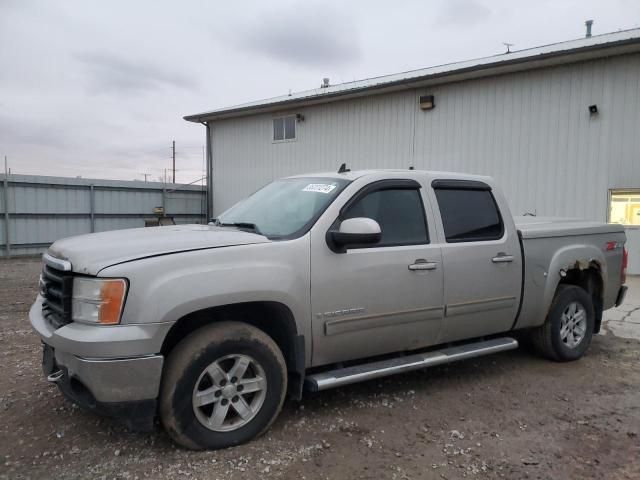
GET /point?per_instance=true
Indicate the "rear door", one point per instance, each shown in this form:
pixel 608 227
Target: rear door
pixel 481 257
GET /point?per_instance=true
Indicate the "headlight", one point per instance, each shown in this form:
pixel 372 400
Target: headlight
pixel 97 300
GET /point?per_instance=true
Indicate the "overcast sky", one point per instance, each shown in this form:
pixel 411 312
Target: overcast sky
pixel 99 88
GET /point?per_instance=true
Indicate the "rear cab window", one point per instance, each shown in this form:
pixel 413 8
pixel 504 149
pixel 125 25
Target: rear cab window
pixel 469 211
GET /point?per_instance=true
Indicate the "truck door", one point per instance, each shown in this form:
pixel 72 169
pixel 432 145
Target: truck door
pixel 378 298
pixel 482 260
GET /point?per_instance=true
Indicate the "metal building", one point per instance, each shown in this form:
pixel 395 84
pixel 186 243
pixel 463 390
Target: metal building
pixel 37 210
pixel 558 126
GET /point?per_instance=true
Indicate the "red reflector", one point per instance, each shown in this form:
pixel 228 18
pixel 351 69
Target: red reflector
pixel 625 262
pixel 611 246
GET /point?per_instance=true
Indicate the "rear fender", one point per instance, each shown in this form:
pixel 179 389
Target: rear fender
pixel 580 257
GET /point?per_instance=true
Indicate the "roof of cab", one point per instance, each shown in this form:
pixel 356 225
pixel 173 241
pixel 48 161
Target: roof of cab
pixel 355 174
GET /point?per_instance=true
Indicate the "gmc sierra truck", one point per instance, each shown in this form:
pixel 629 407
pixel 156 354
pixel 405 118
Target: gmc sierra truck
pixel 313 282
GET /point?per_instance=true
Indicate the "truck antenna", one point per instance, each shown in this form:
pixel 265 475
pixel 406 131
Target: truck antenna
pixel 343 168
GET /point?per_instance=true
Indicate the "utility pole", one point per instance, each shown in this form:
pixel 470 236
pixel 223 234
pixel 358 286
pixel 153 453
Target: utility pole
pixel 7 237
pixel 145 176
pixel 174 160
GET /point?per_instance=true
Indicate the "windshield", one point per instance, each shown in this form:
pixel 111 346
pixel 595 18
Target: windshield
pixel 285 208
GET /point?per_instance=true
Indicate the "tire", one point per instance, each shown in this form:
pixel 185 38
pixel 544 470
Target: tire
pixel 200 370
pixel 570 305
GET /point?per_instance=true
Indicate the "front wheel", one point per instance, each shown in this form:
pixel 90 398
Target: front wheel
pixel 567 331
pixel 223 385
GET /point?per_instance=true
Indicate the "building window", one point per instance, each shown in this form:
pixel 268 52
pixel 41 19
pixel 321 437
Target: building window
pixel 624 207
pixel 469 215
pixel 284 128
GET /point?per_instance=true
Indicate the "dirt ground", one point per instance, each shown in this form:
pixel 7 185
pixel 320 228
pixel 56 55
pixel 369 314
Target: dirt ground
pixel 510 415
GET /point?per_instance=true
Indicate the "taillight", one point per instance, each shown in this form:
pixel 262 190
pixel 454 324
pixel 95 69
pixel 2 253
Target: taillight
pixel 625 261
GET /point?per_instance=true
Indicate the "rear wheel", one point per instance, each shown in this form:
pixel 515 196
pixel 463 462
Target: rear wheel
pixel 567 331
pixel 223 385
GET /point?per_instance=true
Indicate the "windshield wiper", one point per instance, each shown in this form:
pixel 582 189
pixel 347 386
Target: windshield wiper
pixel 242 225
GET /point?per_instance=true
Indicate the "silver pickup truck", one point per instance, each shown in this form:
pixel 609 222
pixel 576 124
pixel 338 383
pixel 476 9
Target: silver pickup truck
pixel 313 282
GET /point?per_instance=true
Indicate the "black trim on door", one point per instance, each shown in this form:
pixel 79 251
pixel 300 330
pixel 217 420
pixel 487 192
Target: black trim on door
pixel 451 184
pixel 388 184
pixel 521 245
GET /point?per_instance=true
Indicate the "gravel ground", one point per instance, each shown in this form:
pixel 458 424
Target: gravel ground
pixel 510 415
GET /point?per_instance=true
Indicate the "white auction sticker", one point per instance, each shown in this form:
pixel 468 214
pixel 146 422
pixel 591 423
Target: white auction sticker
pixel 319 188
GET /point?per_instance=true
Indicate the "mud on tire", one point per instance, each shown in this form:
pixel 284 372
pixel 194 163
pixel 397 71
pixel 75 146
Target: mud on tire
pixel 568 329
pixel 202 369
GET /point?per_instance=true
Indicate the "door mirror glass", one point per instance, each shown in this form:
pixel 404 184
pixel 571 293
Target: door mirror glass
pixel 357 231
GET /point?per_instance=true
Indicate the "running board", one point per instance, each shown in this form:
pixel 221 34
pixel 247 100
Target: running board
pixel 383 368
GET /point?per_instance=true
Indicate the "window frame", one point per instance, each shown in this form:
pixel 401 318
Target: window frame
pixel 377 186
pixel 283 118
pixel 457 184
pixel 620 191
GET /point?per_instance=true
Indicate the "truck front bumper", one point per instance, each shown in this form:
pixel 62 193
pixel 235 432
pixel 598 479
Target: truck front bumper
pixel 110 370
pixel 125 388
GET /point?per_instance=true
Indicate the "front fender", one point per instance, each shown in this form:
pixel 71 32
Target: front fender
pixel 173 296
pixel 166 288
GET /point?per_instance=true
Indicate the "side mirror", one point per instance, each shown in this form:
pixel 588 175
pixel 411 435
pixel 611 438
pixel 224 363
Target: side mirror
pixel 356 231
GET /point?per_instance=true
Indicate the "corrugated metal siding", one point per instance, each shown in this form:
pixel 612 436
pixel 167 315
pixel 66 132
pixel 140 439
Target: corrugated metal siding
pixel 372 132
pixel 44 209
pixel 530 130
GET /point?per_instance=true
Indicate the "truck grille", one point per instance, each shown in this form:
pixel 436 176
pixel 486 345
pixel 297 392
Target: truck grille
pixel 56 288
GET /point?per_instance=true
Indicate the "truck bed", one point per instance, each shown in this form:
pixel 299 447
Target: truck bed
pixel 542 227
pixel 551 244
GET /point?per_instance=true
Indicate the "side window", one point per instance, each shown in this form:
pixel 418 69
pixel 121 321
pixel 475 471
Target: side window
pixel 469 215
pixel 399 212
pixel 284 128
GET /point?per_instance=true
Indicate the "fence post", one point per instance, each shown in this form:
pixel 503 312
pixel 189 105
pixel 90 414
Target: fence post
pixel 92 206
pixel 7 242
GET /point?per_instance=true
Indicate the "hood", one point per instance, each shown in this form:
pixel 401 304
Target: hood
pixel 91 253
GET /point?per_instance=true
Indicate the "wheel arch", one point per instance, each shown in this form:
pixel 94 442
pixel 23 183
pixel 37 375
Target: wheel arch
pixel 580 265
pixel 592 281
pixel 273 318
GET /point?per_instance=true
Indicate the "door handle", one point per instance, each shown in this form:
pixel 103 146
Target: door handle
pixel 423 265
pixel 502 258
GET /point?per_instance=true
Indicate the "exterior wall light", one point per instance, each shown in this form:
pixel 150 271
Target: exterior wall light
pixel 427 102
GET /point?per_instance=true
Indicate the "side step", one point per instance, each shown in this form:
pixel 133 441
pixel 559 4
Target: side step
pixel 383 368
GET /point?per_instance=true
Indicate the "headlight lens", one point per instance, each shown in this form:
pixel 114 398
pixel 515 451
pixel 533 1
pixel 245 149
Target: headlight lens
pixel 98 300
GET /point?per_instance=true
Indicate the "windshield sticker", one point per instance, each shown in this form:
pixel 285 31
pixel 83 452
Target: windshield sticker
pixel 319 188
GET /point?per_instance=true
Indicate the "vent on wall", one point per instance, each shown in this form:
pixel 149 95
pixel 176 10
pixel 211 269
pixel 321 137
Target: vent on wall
pixel 427 102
